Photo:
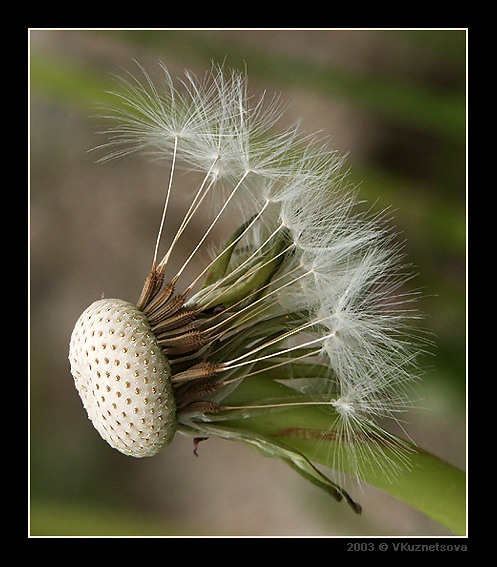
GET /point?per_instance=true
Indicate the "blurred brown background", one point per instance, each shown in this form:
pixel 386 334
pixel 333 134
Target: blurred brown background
pixel 395 100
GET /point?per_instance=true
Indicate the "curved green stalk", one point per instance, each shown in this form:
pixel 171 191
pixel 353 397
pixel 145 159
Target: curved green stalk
pixel 430 485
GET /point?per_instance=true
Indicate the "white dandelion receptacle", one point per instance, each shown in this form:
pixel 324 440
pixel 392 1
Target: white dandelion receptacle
pixel 308 292
pixel 123 378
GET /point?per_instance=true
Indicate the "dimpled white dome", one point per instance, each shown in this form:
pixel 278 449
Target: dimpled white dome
pixel 123 378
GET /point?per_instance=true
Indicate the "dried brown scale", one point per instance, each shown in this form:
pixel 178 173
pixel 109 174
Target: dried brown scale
pixel 200 370
pixel 152 285
pixel 181 318
pixel 190 393
pixel 175 329
pixel 158 300
pixel 186 343
pixel 165 308
pixel 202 407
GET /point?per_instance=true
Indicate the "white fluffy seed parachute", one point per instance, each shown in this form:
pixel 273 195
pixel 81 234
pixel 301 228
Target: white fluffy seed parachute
pixel 308 293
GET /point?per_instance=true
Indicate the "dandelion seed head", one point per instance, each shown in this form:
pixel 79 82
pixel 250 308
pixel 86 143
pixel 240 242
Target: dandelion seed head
pixel 307 281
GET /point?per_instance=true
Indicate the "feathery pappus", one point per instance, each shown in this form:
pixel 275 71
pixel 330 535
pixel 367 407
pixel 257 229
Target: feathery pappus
pixel 308 293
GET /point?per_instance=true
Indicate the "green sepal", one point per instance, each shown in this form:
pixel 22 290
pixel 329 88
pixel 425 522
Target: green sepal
pixel 247 284
pixel 220 265
pixel 271 448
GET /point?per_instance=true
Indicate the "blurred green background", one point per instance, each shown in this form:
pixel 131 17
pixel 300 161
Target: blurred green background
pixel 395 100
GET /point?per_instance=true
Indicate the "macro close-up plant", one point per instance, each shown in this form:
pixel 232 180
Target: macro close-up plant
pixel 307 294
pixel 279 310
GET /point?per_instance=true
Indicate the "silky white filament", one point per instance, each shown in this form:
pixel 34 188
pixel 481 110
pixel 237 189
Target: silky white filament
pixel 307 279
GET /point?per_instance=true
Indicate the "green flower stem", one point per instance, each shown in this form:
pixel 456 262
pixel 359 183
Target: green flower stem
pixel 431 485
